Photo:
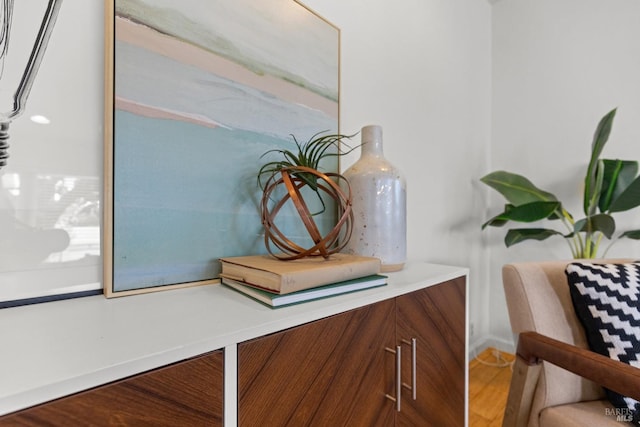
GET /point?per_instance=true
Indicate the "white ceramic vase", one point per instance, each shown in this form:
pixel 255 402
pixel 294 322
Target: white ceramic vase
pixel 379 204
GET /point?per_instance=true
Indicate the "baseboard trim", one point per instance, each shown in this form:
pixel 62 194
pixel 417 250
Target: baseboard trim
pixel 481 343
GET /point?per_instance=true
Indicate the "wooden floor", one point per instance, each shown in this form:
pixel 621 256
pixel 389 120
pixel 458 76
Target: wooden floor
pixel 488 388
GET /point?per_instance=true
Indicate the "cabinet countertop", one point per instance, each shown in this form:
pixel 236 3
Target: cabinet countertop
pixel 54 349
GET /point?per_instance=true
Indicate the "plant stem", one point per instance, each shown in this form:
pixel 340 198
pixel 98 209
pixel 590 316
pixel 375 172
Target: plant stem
pixel 604 254
pixel 597 244
pixel 585 252
pixel 575 242
pixel 581 246
pixel 572 247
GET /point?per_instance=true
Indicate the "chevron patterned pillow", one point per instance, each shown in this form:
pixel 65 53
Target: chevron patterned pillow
pixel 606 298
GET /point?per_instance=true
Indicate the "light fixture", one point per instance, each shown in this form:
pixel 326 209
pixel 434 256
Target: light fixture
pixel 40 119
pixel 30 71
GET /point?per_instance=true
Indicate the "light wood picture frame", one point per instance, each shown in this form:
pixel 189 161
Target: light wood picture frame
pixel 196 91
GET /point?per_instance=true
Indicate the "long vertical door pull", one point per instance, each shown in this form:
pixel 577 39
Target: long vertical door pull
pixel 397 399
pixel 414 344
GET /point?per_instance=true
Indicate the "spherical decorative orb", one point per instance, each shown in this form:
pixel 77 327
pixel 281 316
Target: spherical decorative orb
pixel 293 179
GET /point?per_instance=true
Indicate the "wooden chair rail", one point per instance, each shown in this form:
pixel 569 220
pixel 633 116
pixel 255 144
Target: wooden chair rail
pixel 612 374
pixel 533 348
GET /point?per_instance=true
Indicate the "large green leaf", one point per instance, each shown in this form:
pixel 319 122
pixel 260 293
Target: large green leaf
pixel 517 235
pixel 597 189
pixel 529 212
pixel 631 234
pixel 601 222
pixel 618 175
pixel 600 138
pixel 628 199
pixel 517 189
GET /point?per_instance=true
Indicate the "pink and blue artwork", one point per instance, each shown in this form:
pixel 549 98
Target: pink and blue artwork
pixel 201 89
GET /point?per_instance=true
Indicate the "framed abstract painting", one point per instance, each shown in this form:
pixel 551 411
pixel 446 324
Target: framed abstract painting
pixel 197 91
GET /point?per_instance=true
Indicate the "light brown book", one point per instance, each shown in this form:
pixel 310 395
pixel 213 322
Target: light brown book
pixel 283 277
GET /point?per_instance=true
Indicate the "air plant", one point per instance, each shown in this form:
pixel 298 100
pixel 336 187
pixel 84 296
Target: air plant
pixel 308 156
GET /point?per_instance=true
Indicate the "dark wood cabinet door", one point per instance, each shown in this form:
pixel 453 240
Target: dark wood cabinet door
pixel 435 316
pixel 332 372
pixel 187 393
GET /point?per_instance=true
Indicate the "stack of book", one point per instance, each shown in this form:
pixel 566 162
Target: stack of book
pixel 279 283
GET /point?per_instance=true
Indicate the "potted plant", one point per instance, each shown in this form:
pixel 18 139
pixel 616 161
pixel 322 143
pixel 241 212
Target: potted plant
pixel 610 186
pixel 292 178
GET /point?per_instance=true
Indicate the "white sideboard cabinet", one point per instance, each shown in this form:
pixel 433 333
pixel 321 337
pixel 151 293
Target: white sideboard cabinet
pixel 394 355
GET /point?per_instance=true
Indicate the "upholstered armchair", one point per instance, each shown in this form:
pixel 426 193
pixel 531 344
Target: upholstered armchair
pixel 557 381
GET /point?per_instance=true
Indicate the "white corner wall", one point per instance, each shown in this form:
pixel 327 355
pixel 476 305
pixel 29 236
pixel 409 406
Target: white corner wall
pixel 558 67
pixel 422 70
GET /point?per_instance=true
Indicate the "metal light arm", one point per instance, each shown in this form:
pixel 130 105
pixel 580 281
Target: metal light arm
pixel 37 53
pixel 28 76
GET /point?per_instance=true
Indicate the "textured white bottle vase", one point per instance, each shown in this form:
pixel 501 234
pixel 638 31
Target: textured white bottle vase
pixel 379 204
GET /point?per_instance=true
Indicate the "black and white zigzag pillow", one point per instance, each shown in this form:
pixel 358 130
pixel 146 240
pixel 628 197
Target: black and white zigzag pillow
pixel 606 298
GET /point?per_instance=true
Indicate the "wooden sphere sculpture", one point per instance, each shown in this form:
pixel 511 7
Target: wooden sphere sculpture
pixel 294 178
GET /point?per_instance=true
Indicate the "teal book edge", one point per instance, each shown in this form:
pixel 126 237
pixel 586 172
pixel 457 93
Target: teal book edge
pixel 276 300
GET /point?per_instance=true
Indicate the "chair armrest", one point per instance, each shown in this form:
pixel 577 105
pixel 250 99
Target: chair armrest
pixel 533 348
pixel 612 374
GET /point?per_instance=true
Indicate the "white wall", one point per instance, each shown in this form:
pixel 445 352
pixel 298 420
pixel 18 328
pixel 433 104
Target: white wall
pixel 422 70
pixel 558 67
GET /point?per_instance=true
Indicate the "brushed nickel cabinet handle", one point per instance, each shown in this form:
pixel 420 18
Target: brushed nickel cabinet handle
pixel 397 399
pixel 413 387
